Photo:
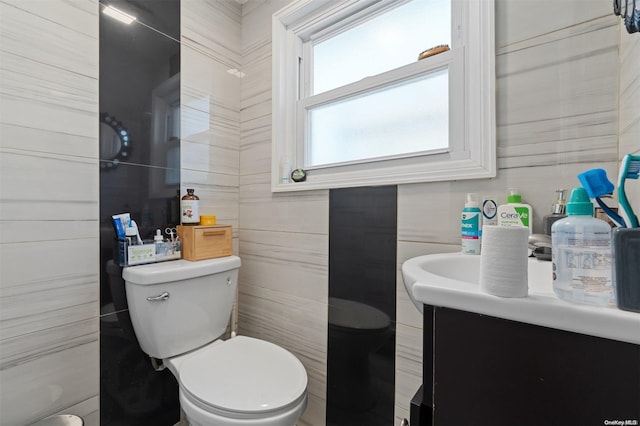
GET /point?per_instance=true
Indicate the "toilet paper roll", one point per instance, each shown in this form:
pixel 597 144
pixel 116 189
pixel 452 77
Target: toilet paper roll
pixel 504 261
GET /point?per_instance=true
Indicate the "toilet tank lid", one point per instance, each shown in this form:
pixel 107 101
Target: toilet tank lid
pixel 177 270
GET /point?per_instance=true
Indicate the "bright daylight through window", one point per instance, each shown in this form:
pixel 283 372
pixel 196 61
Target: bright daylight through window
pixel 353 105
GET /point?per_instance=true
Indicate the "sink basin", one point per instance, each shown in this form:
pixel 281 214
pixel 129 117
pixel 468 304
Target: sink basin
pixel 462 271
pixel 451 280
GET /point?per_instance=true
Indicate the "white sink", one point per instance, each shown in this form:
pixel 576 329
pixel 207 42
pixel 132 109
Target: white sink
pixel 460 271
pixel 451 280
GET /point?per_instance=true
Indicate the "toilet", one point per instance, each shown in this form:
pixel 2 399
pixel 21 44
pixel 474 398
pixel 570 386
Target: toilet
pixel 179 310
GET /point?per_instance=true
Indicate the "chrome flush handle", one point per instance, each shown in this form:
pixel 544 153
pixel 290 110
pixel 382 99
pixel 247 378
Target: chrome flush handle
pixel 159 298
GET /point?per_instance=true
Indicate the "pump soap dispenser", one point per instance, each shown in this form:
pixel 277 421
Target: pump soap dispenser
pixel 557 211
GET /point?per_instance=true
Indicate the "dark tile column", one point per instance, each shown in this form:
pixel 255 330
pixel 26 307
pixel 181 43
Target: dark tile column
pixel 362 306
pixel 137 62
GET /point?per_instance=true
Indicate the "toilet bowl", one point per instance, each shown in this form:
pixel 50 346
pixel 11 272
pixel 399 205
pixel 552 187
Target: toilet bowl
pixel 241 381
pixel 179 310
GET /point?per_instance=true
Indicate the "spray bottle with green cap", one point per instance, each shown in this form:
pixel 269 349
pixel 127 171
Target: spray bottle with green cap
pixel 581 254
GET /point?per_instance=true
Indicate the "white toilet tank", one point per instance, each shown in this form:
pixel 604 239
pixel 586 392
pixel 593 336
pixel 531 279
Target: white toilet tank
pixel 177 306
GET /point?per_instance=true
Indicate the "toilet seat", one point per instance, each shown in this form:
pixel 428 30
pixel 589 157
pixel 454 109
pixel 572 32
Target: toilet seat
pixel 215 378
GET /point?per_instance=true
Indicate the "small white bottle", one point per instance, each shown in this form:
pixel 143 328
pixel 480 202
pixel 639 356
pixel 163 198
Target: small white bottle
pixel 285 170
pixel 581 254
pixel 157 241
pixel 515 212
pixel 471 225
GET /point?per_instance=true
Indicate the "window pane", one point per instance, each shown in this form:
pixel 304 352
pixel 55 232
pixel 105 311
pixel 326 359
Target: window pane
pixel 383 43
pixel 403 119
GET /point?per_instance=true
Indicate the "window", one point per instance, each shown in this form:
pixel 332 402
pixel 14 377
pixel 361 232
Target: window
pixel 353 105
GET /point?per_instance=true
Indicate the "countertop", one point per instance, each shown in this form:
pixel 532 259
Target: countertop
pixel 541 307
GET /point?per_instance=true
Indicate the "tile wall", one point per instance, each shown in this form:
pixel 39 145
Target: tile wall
pixel 557 94
pixel 362 306
pixel 556 98
pixel 139 78
pixel 629 116
pixel 210 109
pixel 210 101
pixel 284 245
pixel 49 162
pixel 49 280
pixel 557 115
pixel 208 34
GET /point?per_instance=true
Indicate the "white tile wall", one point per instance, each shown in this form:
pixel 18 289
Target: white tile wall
pixel 49 347
pixel 283 237
pixel 210 101
pixel 556 116
pixel 557 103
pixel 557 91
pixel 629 117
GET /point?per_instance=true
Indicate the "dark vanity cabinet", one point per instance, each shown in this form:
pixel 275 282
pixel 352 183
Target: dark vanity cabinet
pixel 483 370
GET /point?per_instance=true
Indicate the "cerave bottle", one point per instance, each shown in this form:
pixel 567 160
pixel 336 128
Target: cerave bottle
pixel 515 213
pixel 581 254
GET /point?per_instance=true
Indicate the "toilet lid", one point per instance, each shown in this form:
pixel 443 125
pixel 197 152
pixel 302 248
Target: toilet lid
pixel 244 375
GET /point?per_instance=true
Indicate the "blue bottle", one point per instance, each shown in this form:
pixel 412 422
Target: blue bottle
pixel 471 225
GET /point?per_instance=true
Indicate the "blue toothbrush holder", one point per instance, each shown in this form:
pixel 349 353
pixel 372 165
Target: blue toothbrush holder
pixel 626 268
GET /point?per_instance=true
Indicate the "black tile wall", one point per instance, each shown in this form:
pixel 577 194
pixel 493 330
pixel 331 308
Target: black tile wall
pixel 362 306
pixel 139 87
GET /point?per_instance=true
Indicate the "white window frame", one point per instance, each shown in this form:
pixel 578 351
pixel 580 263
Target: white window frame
pixel 471 62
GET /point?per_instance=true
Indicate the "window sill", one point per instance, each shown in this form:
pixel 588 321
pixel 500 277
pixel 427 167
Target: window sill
pixel 391 175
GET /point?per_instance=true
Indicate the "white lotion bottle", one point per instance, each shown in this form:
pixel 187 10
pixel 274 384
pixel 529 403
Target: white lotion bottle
pixel 515 212
pixel 581 254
